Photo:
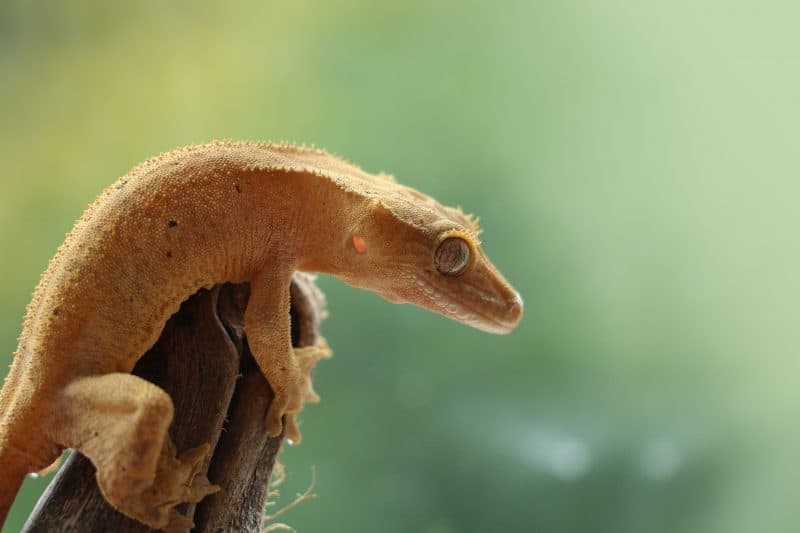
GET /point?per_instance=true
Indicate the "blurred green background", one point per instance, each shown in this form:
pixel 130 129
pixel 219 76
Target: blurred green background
pixel 635 166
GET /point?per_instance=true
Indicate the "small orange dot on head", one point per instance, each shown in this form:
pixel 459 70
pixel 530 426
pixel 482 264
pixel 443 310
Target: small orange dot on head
pixel 359 244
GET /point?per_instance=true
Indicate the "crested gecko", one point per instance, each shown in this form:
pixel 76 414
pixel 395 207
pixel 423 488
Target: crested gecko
pixel 192 218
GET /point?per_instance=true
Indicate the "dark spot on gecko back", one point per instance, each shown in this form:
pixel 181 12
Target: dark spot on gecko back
pixel 169 254
pixel 238 189
pixel 173 223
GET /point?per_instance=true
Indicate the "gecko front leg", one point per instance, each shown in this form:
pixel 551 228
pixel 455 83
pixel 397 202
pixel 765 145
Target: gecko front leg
pixel 268 326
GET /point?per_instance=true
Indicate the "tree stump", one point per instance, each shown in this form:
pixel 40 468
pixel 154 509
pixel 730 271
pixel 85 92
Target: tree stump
pixel 202 360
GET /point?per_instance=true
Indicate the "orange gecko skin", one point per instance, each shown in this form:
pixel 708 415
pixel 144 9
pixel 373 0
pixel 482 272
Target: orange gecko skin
pixel 192 218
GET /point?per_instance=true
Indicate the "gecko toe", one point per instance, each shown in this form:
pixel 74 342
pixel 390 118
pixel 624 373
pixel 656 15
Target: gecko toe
pixel 178 523
pixel 193 457
pixel 274 419
pixel 292 431
pixel 200 488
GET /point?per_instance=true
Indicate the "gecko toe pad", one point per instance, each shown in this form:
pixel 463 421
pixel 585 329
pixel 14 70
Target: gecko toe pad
pixel 289 401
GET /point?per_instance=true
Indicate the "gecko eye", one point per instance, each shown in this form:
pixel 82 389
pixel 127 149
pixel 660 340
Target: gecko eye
pixel 452 256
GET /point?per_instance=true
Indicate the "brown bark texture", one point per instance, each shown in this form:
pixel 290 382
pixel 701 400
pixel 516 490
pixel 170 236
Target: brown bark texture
pixel 202 360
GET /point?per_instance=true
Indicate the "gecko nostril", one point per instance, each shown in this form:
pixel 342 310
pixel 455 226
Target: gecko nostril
pixel 515 307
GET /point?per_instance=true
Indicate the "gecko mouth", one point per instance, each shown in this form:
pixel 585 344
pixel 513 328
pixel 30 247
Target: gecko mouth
pixel 473 306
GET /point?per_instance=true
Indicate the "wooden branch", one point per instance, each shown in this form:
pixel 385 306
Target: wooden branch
pixel 203 362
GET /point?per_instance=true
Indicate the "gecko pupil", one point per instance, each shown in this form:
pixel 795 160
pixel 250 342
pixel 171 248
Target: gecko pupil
pixel 452 256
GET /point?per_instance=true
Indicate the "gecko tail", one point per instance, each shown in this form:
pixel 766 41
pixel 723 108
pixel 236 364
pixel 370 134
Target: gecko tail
pixel 17 461
pixel 12 474
pixel 23 445
pixel 20 452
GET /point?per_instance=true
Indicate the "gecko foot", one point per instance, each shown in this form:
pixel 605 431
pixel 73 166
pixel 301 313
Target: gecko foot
pixel 289 399
pixel 178 480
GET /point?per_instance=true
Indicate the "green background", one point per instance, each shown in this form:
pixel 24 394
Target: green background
pixel 635 166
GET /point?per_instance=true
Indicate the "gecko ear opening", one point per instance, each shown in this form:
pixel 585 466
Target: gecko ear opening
pixel 359 244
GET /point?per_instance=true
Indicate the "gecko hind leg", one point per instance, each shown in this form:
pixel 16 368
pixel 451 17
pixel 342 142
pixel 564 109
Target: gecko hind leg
pixel 120 422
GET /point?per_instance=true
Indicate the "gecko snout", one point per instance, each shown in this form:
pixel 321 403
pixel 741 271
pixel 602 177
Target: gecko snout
pixel 515 308
pixel 503 320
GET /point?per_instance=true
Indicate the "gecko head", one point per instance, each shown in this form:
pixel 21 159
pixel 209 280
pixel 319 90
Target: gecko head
pixel 410 249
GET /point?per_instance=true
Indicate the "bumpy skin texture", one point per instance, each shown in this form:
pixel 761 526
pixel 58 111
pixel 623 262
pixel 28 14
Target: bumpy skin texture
pixel 192 218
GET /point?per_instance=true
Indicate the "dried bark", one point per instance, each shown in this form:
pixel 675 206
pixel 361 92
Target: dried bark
pixel 202 360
